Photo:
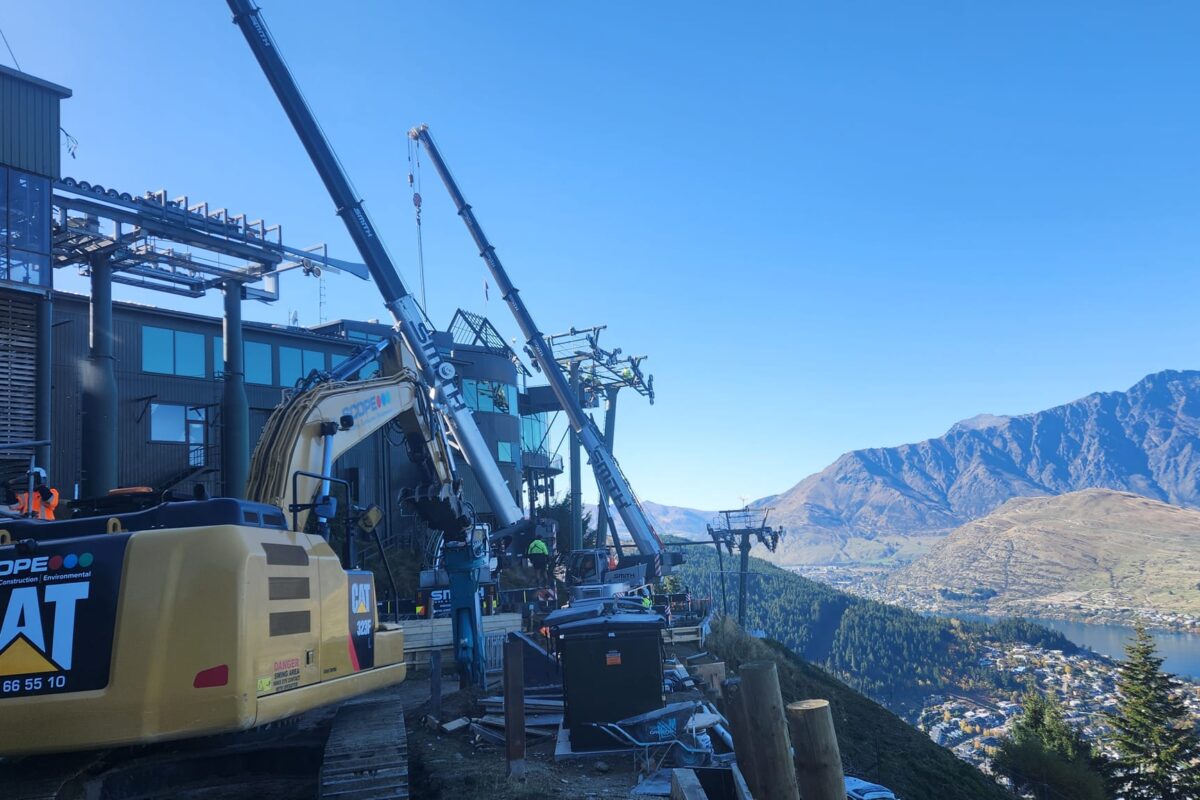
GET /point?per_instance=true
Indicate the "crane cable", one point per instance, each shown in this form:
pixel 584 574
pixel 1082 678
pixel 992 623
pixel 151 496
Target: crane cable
pixel 414 183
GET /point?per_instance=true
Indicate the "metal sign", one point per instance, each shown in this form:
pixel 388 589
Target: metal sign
pixel 58 609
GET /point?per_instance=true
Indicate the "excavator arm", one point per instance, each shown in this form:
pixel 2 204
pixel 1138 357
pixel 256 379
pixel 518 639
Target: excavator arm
pixel 310 431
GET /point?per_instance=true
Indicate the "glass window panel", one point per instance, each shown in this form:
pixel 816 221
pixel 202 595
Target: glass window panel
pixel 258 363
pixel 189 354
pixel 487 396
pixel 504 452
pixel 510 392
pixel 29 212
pixel 166 423
pixel 313 359
pixel 291 368
pixel 533 433
pixel 22 267
pixel 195 413
pixel 218 356
pixel 158 349
pixel 470 393
pixel 3 209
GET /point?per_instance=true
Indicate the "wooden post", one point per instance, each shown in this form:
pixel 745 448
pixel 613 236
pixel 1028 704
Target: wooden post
pixel 776 778
pixel 818 760
pixel 743 744
pixel 514 708
pixel 435 685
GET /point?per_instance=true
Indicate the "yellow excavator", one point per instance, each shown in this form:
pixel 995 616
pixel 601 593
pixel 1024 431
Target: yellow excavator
pixel 200 617
pixel 221 615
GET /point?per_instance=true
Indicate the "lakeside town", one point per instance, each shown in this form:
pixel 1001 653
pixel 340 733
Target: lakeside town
pixel 869 582
pixel 973 726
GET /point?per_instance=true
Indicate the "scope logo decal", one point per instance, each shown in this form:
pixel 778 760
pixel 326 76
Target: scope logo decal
pixel 368 407
pixel 58 608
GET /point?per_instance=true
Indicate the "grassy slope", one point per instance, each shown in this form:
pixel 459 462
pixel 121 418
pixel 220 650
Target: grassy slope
pixel 874 743
pixel 1096 548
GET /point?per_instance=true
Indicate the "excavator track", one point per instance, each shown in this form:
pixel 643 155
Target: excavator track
pixel 360 745
pixel 366 755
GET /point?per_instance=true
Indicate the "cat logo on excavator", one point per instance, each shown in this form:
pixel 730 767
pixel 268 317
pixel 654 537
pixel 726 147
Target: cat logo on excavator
pixel 57 612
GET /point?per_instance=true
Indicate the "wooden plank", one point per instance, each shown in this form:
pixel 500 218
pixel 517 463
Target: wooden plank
pixel 686 786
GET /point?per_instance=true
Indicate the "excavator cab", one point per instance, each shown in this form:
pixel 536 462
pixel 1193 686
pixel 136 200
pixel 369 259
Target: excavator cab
pixel 592 575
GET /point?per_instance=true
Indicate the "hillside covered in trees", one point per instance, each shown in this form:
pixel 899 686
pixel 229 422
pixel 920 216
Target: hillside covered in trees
pixel 874 743
pixel 893 655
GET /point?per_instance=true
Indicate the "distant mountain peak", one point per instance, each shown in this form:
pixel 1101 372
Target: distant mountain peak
pixel 892 503
pixel 979 422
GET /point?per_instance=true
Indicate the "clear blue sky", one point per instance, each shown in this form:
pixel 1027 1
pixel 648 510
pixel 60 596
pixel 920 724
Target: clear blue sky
pixel 830 226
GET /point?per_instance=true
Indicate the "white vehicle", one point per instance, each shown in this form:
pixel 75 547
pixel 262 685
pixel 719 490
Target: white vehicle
pixel 858 789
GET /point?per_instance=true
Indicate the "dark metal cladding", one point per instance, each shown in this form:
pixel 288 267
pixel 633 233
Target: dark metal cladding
pixel 29 139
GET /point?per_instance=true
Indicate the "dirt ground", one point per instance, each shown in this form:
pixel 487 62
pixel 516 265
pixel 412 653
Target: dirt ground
pixel 452 767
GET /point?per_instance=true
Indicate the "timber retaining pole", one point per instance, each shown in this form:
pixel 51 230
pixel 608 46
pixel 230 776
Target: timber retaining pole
pixel 734 707
pixel 818 760
pixel 514 708
pixel 776 779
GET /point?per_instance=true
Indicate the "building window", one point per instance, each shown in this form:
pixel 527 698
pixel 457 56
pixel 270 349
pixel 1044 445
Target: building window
pixel 533 433
pixel 180 424
pixel 295 364
pixel 491 396
pixel 256 359
pixel 28 212
pixel 258 363
pixel 504 453
pixel 362 336
pixel 172 352
pixel 24 228
pixel 20 267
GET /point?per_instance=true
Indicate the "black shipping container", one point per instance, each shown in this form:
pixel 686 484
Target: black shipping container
pixel 612 669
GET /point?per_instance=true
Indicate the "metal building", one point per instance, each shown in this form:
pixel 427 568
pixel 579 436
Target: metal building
pixel 29 160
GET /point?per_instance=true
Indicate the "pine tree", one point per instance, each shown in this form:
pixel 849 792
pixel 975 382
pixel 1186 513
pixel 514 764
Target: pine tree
pixel 1047 758
pixel 1158 748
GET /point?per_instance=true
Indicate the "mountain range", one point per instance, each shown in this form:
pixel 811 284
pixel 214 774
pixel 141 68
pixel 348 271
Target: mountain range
pixel 896 503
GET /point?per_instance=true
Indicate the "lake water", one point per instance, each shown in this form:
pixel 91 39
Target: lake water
pixel 1180 651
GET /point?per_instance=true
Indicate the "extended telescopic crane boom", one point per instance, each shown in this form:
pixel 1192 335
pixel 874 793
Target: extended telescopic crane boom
pixel 410 322
pixel 608 473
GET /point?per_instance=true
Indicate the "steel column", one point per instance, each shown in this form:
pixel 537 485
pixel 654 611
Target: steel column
pixel 235 409
pixel 576 472
pixel 742 576
pixel 99 418
pixel 42 382
pixel 610 425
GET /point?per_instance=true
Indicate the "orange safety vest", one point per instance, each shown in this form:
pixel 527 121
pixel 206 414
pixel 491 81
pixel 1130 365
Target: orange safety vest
pixel 40 510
